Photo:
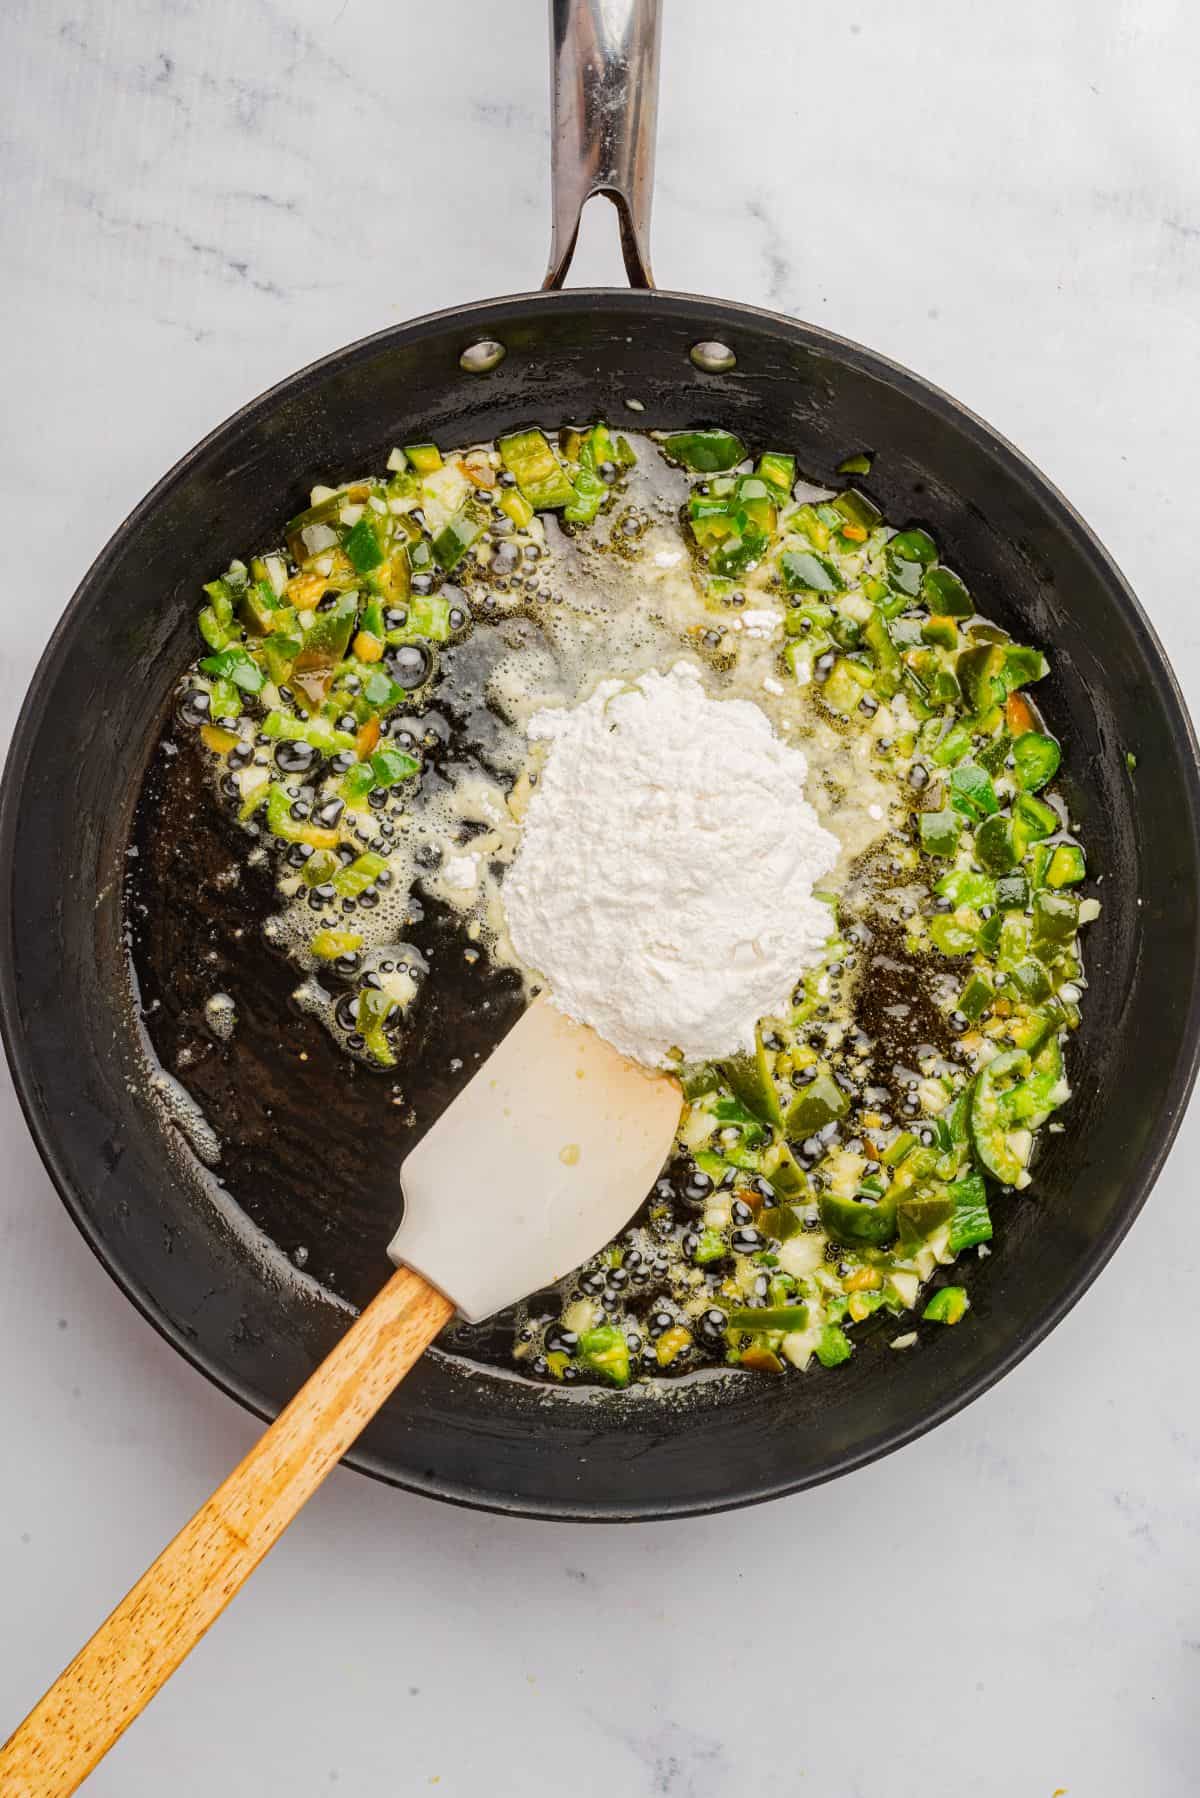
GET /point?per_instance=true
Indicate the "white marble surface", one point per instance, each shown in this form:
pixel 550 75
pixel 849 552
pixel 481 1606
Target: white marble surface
pixel 197 197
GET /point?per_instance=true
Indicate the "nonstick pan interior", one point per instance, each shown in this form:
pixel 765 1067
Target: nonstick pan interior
pixel 94 713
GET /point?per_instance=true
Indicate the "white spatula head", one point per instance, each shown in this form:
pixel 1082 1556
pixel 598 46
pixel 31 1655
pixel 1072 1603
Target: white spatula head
pixel 546 1153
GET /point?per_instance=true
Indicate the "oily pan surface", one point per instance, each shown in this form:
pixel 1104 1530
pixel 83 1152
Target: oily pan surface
pixel 234 1307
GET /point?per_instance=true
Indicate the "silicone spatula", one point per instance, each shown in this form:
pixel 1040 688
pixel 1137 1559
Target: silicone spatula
pixel 544 1155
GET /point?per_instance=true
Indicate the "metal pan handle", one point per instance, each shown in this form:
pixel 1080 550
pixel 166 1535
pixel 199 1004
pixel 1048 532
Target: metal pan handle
pixel 604 102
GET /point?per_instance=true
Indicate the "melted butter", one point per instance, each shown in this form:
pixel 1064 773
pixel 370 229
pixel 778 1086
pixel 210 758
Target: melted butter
pixel 611 601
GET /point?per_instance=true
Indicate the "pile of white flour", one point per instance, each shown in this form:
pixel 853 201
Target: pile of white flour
pixel 663 886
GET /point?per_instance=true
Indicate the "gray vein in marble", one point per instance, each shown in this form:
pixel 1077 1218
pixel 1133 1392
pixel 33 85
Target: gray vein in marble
pixel 152 77
pixel 778 265
pixel 215 256
pixel 681 1762
pixel 505 114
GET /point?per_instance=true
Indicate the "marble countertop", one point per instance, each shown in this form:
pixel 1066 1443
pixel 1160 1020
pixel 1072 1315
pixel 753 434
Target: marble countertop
pixel 199 198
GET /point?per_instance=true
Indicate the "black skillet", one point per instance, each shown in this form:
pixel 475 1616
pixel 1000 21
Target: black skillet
pixel 86 733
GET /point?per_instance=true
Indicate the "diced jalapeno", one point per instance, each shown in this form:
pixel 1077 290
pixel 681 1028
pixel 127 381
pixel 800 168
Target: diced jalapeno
pixel 1037 860
pixel 1066 866
pixel 997 1145
pixel 324 646
pixel 951 747
pixel 589 495
pixel 1055 921
pixel 357 782
pixel 949 1305
pixel 928 678
pixel 215 634
pixel 606 1352
pixel 942 591
pixel 971 792
pixel 789 1181
pixel 756 499
pixel 940 832
pixel 710 1246
pixel 515 506
pixel 1033 819
pixel 227 699
pixel 327 945
pixel 708 452
pixel 980 672
pixel 915 546
pixel 1022 666
pixel 741 549
pixel 367 542
pixel 951 934
pixel 778 469
pixel 769 1317
pixel 750 1076
pixel 883 650
pixel 1031 1031
pixel 782 1221
pixel 896 1151
pixel 922 1211
pixel 540 475
pixel 455 538
pixel 833 1346
pixel 1045 1089
pixel 962 886
pixel 1037 758
pixel 976 997
pixel 995 845
pixel 940 631
pixel 1030 979
pixel 283 726
pixel 753 1132
pixel 971 1222
pixel 857 509
pixel 845 685
pixel 989 932
pixel 281 823
pixel 904 574
pixel 374 1009
pixel 391 766
pixel 237 665
pixel 699 1079
pixel 352 881
pixel 426 458
pixel 855 1220
pixel 1013 942
pixel 805 571
pixel 221 596
pixel 257 606
pixel 806 521
pixel 1012 892
pixel 815 1105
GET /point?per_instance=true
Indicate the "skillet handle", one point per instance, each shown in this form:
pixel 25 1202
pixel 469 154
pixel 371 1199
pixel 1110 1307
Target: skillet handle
pixel 136 1650
pixel 604 104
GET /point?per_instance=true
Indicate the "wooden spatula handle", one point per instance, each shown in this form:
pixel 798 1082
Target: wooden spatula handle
pixel 140 1645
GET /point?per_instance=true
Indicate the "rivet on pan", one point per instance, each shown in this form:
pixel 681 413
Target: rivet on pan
pixel 713 358
pixel 479 357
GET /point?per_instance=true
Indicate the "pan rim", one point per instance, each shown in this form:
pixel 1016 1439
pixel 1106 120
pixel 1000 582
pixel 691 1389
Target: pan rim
pixel 472 318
